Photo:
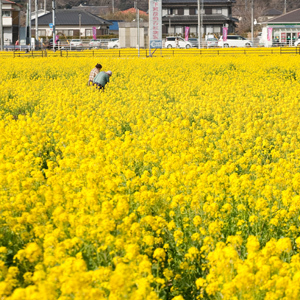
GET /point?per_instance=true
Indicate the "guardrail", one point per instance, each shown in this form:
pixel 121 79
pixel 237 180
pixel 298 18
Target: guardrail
pixel 129 52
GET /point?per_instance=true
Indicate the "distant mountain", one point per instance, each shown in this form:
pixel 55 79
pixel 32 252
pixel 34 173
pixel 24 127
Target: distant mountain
pixel 143 4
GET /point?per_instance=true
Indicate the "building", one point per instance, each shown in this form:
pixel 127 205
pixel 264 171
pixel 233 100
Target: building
pixel 72 24
pixel 128 34
pixel 10 21
pixel 282 30
pixel 178 14
pixel 269 14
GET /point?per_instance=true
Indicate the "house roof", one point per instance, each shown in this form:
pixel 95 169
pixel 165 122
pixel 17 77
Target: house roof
pixel 133 11
pixel 194 18
pixel 196 1
pixel 94 9
pixel 272 12
pixel 10 2
pixel 290 17
pixel 71 17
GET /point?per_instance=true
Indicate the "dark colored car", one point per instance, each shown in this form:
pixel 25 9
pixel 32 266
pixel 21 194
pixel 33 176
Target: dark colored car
pixel 50 44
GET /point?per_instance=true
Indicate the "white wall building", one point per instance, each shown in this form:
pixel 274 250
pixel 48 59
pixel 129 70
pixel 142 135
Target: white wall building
pixel 10 21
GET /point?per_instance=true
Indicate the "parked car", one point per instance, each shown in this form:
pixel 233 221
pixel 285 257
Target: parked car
pixel 194 42
pixel 297 43
pixel 76 44
pixel 177 42
pixel 234 41
pixel 211 42
pixel 94 44
pixel 113 44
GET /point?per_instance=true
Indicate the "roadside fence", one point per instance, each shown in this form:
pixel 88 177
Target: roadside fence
pixel 143 53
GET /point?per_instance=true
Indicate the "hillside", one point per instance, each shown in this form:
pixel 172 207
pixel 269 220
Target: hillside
pixel 119 4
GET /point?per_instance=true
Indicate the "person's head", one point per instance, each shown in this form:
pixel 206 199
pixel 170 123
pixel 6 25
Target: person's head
pixel 98 66
pixel 109 73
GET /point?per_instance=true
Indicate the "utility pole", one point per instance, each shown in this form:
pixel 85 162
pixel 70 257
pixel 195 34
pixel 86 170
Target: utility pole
pixel 53 21
pixel 45 9
pixel 284 11
pixel 1 27
pixel 79 16
pixel 29 21
pixel 252 19
pixel 199 25
pixel 138 26
pixel 36 22
pixel 200 21
pixel 113 6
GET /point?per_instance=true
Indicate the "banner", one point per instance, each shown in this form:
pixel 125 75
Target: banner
pixel 56 39
pixel 94 33
pixel 225 32
pixel 269 36
pixel 155 24
pixel 187 30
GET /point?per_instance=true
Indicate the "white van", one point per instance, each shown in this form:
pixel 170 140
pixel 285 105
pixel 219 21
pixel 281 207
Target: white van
pixel 234 41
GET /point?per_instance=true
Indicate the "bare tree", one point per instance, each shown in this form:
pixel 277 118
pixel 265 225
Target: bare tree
pixel 242 11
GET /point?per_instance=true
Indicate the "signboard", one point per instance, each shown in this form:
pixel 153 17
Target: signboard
pixel 225 32
pixel 269 33
pixel 155 24
pixel 187 30
pixel 51 25
pixel 94 33
pixel 283 37
pixel 155 43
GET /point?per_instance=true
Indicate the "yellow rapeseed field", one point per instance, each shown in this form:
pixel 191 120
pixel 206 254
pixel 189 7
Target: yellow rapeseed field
pixel 180 181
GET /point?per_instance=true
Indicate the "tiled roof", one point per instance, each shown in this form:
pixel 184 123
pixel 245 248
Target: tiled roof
pixel 133 11
pixel 196 1
pixel 71 17
pixel 194 18
pixel 290 17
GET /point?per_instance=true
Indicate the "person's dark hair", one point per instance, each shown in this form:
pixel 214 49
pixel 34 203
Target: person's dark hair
pixel 98 66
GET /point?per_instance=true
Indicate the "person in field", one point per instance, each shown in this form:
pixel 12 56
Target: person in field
pixel 94 73
pixel 101 79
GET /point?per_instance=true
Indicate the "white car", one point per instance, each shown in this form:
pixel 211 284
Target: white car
pixel 76 44
pixel 113 44
pixel 177 42
pixel 94 44
pixel 234 41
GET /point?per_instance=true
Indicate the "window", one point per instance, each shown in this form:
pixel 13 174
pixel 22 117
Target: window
pixel 192 11
pixel 217 10
pixel 225 11
pixel 196 11
pixel 173 11
pixel 178 30
pixel 71 33
pixel 209 29
pixel 217 29
pixel 88 32
pixel 6 13
pixel 164 12
pixel 186 11
pixel 42 32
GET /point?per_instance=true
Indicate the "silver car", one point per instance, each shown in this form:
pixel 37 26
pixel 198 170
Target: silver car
pixel 212 42
pixel 194 42
pixel 76 44
pixel 94 44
